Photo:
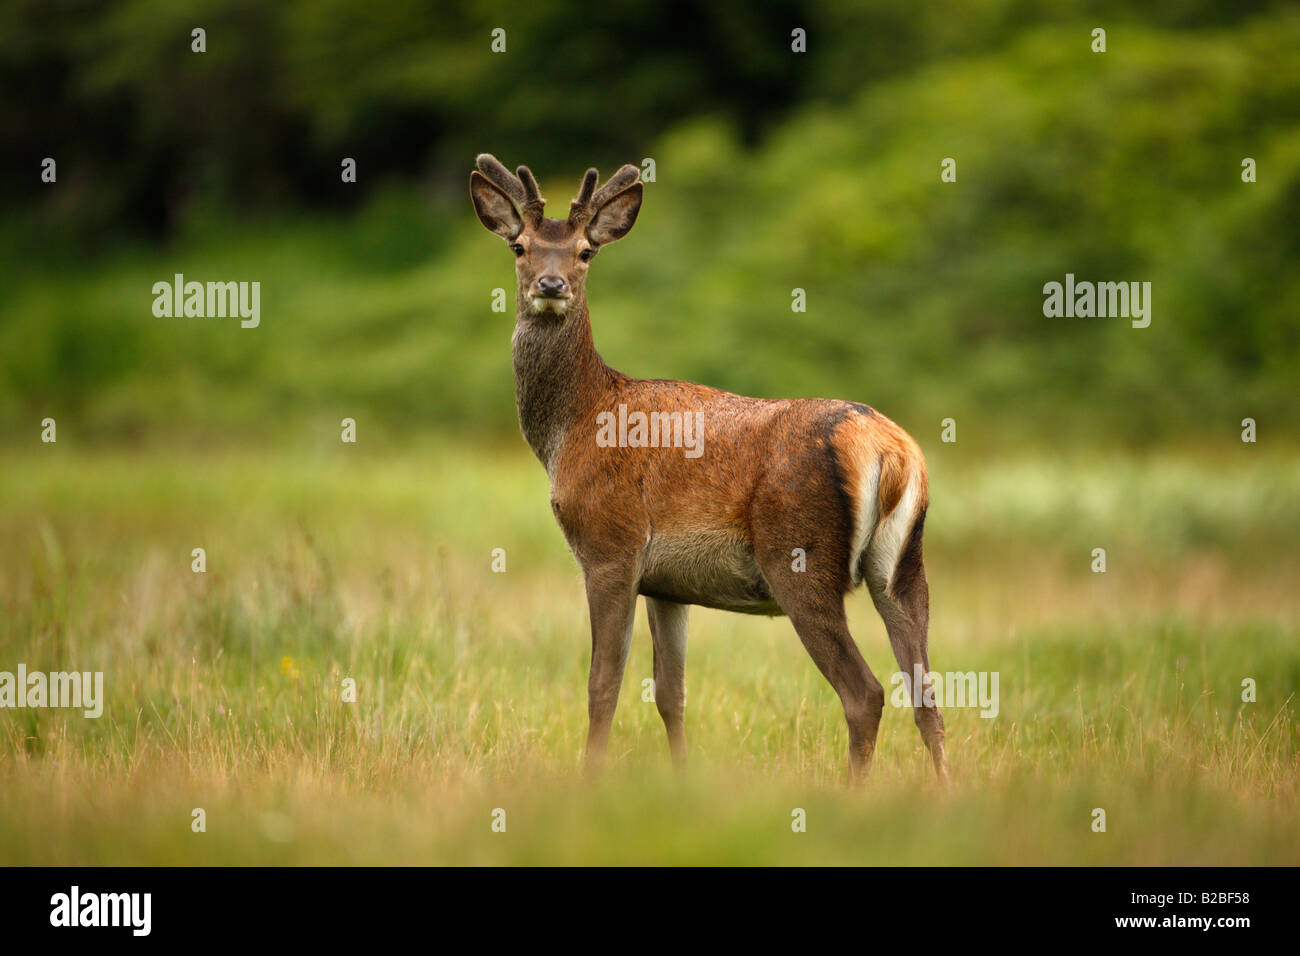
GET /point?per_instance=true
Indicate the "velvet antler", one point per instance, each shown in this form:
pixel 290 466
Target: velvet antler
pixel 590 199
pixel 520 186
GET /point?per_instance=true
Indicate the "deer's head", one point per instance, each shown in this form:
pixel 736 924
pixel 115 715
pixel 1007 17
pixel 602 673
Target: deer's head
pixel 552 255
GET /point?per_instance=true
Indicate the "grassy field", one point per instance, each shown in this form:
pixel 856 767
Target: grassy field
pixel 1119 691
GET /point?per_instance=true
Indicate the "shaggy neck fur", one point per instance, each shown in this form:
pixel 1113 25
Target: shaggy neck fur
pixel 558 375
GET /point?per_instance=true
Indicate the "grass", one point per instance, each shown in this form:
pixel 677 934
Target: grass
pixel 1119 691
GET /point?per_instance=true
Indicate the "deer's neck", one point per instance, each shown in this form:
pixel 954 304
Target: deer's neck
pixel 558 376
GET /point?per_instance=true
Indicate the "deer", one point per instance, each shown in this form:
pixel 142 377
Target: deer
pixel 792 504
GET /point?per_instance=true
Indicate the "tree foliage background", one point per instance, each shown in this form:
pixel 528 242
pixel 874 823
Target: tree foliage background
pixel 775 170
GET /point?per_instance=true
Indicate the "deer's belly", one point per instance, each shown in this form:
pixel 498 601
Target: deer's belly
pixel 713 568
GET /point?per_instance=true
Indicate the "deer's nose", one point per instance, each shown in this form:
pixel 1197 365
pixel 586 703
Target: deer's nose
pixel 552 286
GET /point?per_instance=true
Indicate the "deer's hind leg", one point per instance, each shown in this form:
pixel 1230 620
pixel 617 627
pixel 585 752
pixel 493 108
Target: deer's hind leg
pixel 668 629
pixel 813 599
pixel 901 593
pixel 803 551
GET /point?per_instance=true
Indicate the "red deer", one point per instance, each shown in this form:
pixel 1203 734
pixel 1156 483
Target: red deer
pixel 792 504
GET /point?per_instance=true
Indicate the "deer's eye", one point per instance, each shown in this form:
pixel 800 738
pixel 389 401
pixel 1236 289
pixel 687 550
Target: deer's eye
pixel 516 248
pixel 586 254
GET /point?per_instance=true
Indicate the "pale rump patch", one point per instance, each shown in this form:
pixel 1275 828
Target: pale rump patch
pixel 865 514
pixel 887 543
pixel 886 487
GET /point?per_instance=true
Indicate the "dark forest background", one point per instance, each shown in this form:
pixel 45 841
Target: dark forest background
pixel 773 170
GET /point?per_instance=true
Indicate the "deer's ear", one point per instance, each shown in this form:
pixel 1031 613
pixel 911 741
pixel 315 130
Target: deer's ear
pixel 614 219
pixel 494 208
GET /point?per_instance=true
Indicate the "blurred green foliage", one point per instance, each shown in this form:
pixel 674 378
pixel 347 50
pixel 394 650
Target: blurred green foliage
pixel 775 170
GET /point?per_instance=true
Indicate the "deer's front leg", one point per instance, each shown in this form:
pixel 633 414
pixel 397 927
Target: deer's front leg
pixel 611 599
